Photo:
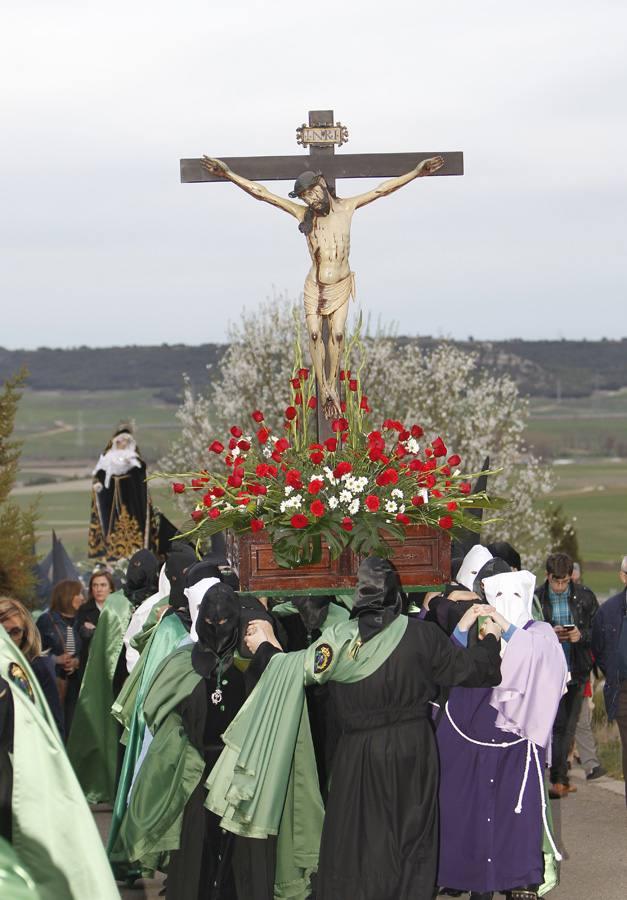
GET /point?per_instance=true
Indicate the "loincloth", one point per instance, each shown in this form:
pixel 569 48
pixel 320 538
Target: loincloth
pixel 325 299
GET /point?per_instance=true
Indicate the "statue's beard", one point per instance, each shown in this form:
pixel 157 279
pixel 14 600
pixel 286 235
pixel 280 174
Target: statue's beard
pixel 321 207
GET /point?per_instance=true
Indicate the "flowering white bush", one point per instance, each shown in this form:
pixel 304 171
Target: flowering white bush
pixel 481 413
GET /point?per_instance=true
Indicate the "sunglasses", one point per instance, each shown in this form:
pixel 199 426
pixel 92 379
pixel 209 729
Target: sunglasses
pixel 15 632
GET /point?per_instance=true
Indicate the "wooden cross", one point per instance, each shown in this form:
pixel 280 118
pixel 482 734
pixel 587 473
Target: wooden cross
pixel 322 158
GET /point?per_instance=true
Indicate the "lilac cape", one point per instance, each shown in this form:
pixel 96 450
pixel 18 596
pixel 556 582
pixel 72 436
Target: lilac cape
pixel 492 779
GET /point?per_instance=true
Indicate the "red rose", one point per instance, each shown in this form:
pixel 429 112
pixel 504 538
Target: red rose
pixel 331 444
pixel 418 500
pixel 315 486
pixel 452 506
pixel 404 435
pixel 276 456
pixel 342 374
pixel 218 492
pixel 198 483
pixel 316 457
pixel 343 405
pixel 439 447
pixel 262 435
pixel 214 513
pixel 239 471
pixel 312 403
pixel 207 499
pixel 234 481
pixel 198 514
pixel 430 481
pixel 236 432
pixel 352 384
pixel 339 425
pixel 400 451
pixel 429 465
pixel 375 455
pixel 298 399
pixel 454 460
pixel 342 468
pixel 402 518
pixel 415 466
pixel 243 445
pixel 363 403
pixel 257 416
pixel 243 499
pixel 178 487
pixel 256 524
pixel 416 431
pixel 372 502
pixel 216 447
pixel 294 478
pixel 290 413
pixel 428 451
pixel 282 445
pixel 232 444
pixel 344 436
pixel 295 383
pixel 346 523
pixel 258 489
pixel 465 487
pixel 317 508
pixel 299 521
pixel 388 476
pixel 445 522
pixel 303 374
pixel 445 470
pixel 436 493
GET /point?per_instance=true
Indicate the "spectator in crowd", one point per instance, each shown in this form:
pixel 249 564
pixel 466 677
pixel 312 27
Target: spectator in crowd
pixel 100 586
pixel 60 635
pixel 585 744
pixel 19 625
pixel 570 609
pixel 609 645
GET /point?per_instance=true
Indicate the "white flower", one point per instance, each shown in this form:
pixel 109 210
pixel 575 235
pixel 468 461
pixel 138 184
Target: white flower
pixel 401 508
pixel 329 475
pixel 283 506
pixel 424 493
pixel 413 446
pixel 267 452
pixel 235 452
pixel 354 507
pixel 345 496
pixel 317 478
pixel 333 502
pixel 391 506
pixel 288 489
pixel 398 493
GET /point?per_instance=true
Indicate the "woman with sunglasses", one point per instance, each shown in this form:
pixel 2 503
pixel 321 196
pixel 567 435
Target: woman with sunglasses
pixel 19 625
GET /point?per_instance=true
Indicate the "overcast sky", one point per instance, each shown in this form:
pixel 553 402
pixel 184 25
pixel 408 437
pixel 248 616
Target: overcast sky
pixel 101 244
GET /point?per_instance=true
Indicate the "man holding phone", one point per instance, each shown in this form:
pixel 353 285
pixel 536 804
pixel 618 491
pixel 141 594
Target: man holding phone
pixel 570 609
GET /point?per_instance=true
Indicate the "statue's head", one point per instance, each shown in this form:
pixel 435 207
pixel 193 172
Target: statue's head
pixel 312 189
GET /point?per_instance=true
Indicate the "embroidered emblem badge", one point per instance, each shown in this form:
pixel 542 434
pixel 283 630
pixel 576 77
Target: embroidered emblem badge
pixel 322 658
pixel 18 676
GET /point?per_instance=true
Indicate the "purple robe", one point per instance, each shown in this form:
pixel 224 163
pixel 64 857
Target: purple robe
pixel 491 823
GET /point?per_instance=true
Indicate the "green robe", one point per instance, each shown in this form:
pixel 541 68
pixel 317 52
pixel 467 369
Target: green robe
pixel 129 710
pixel 54 834
pixel 265 781
pixel 15 882
pixel 94 737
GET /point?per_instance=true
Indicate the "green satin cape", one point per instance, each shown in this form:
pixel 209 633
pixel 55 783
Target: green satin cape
pixel 94 737
pixel 54 834
pixel 15 882
pixel 129 710
pixel 264 782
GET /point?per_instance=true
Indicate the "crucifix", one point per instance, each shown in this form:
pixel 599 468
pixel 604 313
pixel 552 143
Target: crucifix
pixel 325 220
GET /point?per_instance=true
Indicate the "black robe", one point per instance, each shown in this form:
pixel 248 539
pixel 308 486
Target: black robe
pixel 380 835
pixel 212 864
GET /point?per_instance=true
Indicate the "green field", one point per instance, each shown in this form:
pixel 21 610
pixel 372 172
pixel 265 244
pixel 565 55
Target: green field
pixel 64 432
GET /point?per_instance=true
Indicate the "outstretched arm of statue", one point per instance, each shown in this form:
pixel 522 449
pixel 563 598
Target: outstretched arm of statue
pixel 426 167
pixel 258 191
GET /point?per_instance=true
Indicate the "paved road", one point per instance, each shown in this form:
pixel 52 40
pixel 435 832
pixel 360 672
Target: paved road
pixel 591 829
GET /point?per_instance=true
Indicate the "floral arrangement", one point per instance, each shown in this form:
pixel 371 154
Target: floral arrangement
pixel 355 488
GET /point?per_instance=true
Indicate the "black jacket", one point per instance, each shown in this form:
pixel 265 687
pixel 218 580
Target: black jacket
pixel 583 606
pixel 88 612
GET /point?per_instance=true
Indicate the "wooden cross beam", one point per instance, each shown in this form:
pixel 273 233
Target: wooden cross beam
pixel 322 158
pixel 322 135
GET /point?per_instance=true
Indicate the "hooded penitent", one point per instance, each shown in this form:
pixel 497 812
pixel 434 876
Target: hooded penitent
pixel 217 626
pixel 469 569
pixel 180 558
pixel 198 579
pixel 142 576
pixel 377 597
pixel 511 594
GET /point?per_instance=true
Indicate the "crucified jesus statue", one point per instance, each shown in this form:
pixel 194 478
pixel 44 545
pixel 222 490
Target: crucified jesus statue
pixel 325 220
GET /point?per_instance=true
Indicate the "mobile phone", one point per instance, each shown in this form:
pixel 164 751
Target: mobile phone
pixel 481 620
pixel 569 627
